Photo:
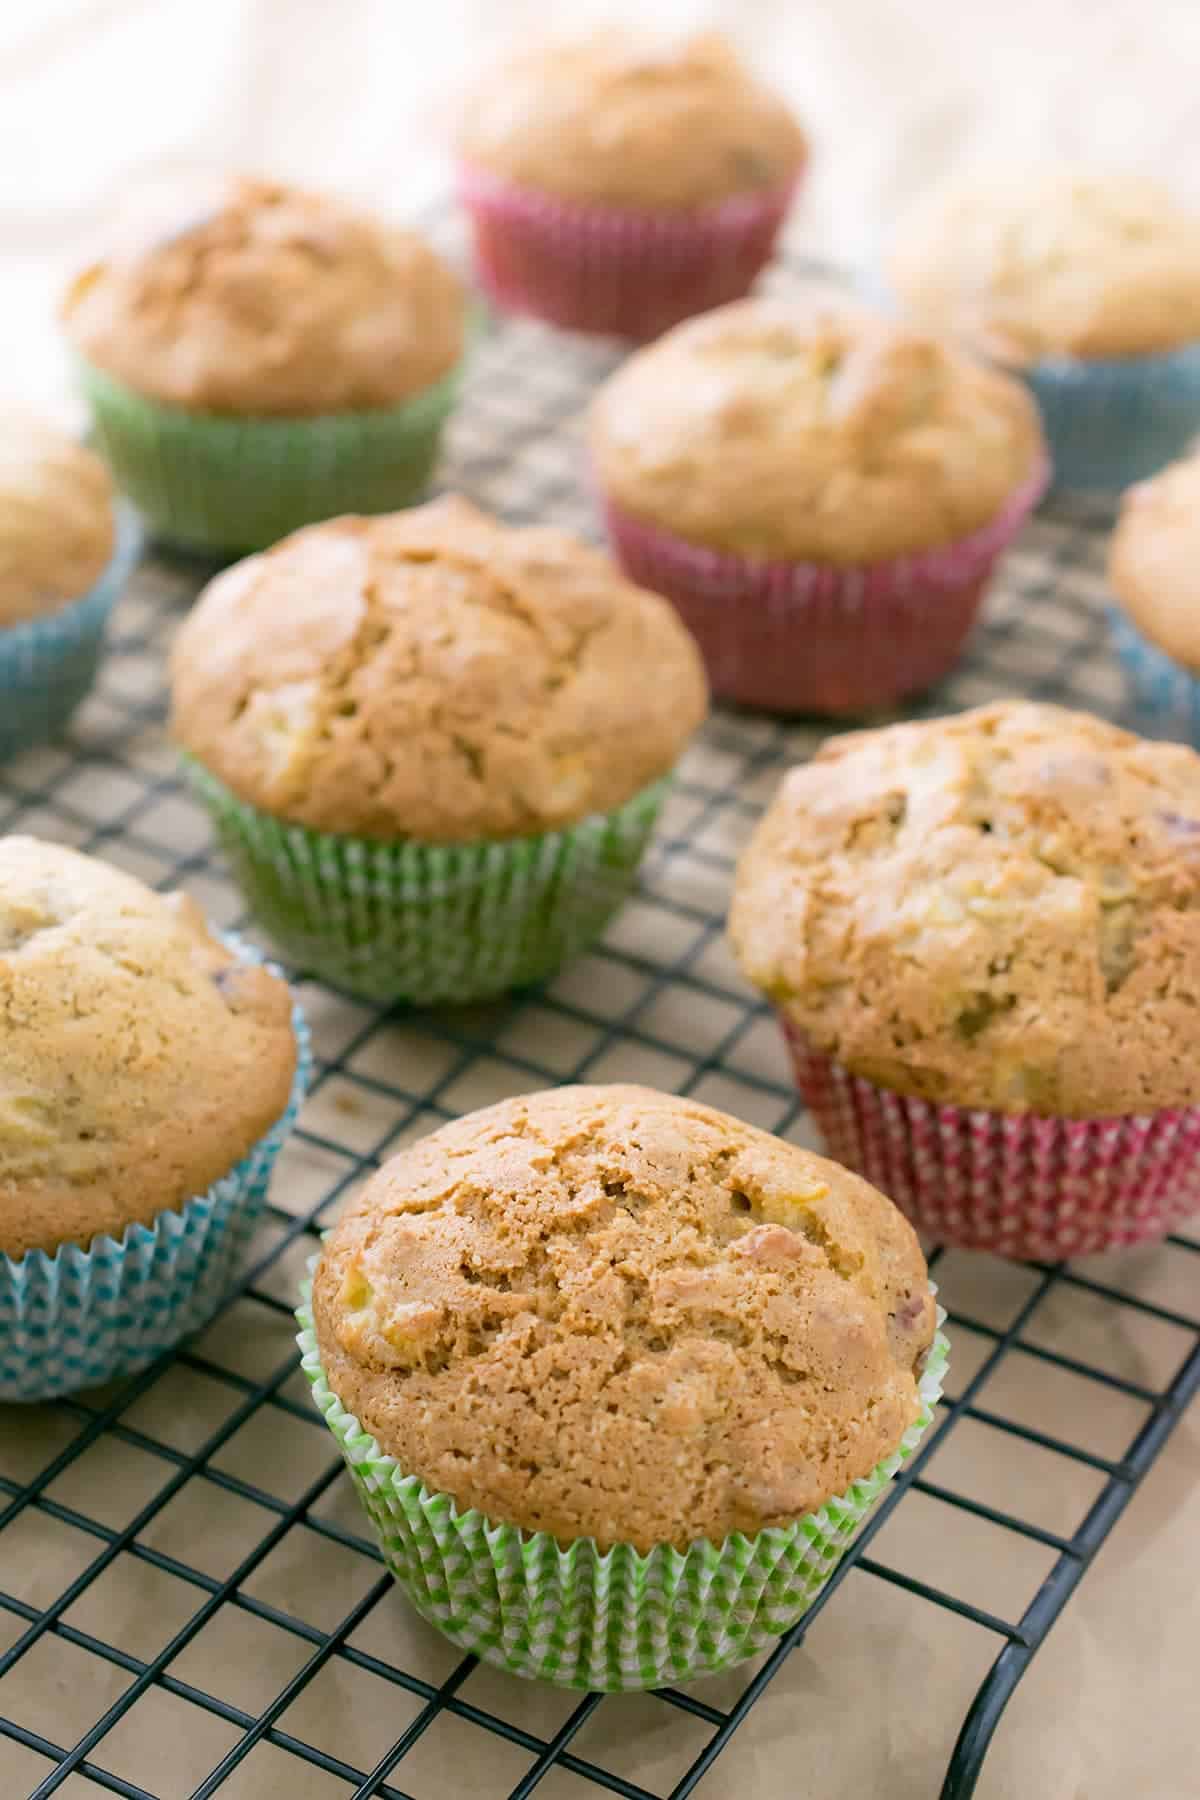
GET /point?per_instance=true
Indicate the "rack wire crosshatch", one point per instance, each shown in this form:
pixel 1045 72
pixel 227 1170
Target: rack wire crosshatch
pixel 222 1506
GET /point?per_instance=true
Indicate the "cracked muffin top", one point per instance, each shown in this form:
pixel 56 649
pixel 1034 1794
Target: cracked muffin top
pixel 139 1059
pixel 433 674
pixel 626 120
pixel 274 303
pixel 57 529
pixel 999 909
pixel 1154 559
pixel 608 1312
pixel 1061 261
pixel 811 427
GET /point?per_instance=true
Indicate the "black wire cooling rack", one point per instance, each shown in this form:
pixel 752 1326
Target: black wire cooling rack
pixel 181 1561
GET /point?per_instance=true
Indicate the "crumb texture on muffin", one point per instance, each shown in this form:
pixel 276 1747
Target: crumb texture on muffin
pixel 613 1313
pixel 57 528
pixel 811 428
pixel 1154 559
pixel 999 909
pixel 139 1059
pixel 1053 262
pixel 622 120
pixel 275 303
pixel 433 674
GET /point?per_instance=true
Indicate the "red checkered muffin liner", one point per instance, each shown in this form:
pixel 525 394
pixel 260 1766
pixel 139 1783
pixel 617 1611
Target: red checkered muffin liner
pixel 812 637
pixel 612 270
pixel 1018 1184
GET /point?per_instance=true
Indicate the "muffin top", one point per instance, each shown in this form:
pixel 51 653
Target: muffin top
pixel 433 674
pixel 56 519
pixel 625 121
pixel 1154 559
pixel 1057 262
pixel 999 909
pixel 811 427
pixel 140 1060
pixel 274 303
pixel 607 1312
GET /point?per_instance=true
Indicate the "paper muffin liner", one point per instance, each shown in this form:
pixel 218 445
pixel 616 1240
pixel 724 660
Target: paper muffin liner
pixel 220 484
pixel 429 923
pixel 1113 422
pixel 813 637
pixel 78 1317
pixel 581 1617
pixel 1166 696
pixel 614 270
pixel 1017 1184
pixel 48 664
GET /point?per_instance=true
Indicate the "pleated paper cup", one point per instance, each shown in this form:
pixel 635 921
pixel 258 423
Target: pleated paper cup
pixel 84 1315
pixel 581 1617
pixel 812 637
pixel 430 923
pixel 1165 695
pixel 613 270
pixel 223 485
pixel 1112 422
pixel 48 664
pixel 1017 1184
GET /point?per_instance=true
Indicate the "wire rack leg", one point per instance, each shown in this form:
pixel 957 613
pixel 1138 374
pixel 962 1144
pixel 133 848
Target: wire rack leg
pixel 983 1716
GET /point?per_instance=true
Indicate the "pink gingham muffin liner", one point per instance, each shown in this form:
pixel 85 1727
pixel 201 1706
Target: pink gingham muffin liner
pixel 612 270
pixel 812 637
pixel 1017 1184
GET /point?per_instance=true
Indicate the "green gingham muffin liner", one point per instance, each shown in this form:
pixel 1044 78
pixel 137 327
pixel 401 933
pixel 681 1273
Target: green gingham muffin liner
pixel 83 1316
pixel 217 483
pixel 48 664
pixel 430 923
pixel 613 1620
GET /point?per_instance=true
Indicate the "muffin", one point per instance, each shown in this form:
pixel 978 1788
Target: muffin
pixel 279 359
pixel 822 494
pixel 1154 571
pixel 983 937
pixel 617 1377
pixel 63 560
pixel 434 746
pixel 617 183
pixel 148 1075
pixel 1086 284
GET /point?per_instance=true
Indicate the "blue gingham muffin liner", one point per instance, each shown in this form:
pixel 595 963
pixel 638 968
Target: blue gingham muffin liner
pixel 47 665
pixel 1111 423
pixel 79 1317
pixel 615 1620
pixel 1166 696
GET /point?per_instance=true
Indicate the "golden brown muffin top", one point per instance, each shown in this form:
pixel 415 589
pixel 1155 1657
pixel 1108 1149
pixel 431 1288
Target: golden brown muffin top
pixel 433 674
pixel 139 1059
pixel 1154 559
pixel 621 120
pixel 811 428
pixel 57 528
pixel 999 909
pixel 1053 262
pixel 607 1312
pixel 275 303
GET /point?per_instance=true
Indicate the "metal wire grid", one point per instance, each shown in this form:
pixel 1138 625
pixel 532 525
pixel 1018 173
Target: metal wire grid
pixel 658 1000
